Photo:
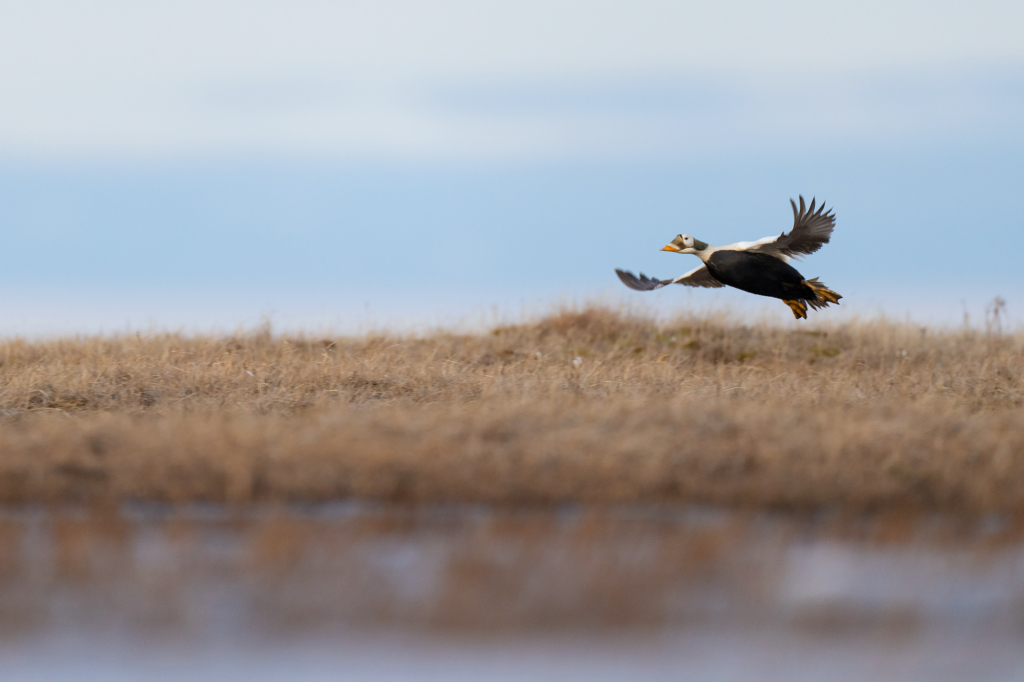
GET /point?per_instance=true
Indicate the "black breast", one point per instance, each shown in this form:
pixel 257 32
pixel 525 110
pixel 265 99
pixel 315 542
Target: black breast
pixel 758 273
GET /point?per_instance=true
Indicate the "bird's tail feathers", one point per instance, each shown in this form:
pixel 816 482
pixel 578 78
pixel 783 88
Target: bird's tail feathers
pixel 823 295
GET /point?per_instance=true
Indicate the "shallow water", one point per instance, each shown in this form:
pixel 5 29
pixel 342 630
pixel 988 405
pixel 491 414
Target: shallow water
pixel 352 591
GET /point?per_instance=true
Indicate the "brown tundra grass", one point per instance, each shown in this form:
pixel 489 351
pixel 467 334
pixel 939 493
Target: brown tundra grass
pixel 587 405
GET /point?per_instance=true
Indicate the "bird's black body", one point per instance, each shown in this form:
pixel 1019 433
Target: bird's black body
pixel 759 273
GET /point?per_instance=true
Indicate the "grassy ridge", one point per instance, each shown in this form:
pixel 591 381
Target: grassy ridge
pixel 584 405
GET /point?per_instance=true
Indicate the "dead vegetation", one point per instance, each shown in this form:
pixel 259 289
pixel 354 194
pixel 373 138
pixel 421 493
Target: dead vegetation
pixel 583 405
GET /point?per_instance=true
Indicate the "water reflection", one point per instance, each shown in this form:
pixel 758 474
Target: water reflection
pixel 460 592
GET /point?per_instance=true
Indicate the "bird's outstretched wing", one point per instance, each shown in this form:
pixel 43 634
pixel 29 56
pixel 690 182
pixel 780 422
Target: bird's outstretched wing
pixel 811 230
pixel 698 277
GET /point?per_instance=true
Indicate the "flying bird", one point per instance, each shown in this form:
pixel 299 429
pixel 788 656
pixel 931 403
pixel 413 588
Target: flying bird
pixel 760 267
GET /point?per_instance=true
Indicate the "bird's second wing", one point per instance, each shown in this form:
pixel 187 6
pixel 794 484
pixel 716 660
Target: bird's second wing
pixel 811 230
pixel 698 277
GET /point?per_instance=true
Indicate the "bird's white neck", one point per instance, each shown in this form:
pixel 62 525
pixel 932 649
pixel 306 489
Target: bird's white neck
pixel 705 253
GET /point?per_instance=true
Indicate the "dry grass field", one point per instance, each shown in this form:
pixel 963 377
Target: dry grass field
pixel 586 405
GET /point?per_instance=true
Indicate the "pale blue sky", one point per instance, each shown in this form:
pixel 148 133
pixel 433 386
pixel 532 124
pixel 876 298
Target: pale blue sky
pixel 340 164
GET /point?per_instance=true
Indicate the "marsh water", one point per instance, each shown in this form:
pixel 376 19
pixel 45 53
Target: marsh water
pixel 457 592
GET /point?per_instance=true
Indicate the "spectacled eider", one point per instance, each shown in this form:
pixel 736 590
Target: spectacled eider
pixel 760 267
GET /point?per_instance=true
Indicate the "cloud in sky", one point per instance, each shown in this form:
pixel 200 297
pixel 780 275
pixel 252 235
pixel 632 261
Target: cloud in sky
pixel 455 80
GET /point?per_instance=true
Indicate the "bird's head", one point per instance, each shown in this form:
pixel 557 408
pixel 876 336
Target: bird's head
pixel 684 243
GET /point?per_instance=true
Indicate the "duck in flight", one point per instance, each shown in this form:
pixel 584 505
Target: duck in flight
pixel 760 267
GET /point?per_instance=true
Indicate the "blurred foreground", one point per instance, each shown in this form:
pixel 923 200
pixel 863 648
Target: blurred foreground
pixel 457 592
